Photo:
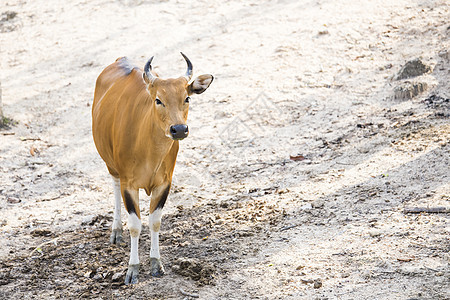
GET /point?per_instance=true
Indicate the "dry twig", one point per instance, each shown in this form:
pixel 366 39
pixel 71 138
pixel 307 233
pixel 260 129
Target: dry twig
pixel 23 139
pixel 188 294
pixel 44 243
pixel 430 210
pixel 289 227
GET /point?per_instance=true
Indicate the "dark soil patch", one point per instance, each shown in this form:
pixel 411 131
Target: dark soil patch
pixel 194 269
pixel 198 244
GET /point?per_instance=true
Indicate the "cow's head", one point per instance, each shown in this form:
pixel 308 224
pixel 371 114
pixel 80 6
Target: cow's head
pixel 171 98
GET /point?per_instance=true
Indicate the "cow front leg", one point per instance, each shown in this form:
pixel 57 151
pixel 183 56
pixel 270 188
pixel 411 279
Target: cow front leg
pixel 159 197
pixel 117 229
pixel 131 199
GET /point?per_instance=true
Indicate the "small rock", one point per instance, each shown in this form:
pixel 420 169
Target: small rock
pixel 444 54
pixel 375 233
pixel 13 200
pixel 88 274
pixel 306 206
pixel 184 244
pixel 9 15
pixel 117 277
pixel 408 90
pixel 318 204
pixel 413 68
pixel 89 220
pixel 317 283
pixel 98 277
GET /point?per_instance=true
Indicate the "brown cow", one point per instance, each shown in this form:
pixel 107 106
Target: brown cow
pixel 137 120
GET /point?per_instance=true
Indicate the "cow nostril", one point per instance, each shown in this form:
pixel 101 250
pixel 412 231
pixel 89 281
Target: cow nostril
pixel 179 131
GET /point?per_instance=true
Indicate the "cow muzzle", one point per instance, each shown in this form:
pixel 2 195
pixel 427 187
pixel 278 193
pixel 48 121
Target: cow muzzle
pixel 179 132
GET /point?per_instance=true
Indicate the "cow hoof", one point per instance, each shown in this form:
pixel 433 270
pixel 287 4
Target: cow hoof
pixel 116 236
pixel 157 269
pixel 132 274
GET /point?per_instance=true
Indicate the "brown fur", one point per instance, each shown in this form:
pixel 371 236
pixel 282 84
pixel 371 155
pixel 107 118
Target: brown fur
pixel 132 118
pixel 128 133
pixel 131 132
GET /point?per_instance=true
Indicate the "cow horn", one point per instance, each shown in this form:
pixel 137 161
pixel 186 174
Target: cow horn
pixel 189 71
pixel 148 68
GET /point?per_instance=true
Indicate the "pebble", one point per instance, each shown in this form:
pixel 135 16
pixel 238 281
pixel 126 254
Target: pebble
pixel 408 90
pixel 317 283
pixel 444 54
pixel 98 277
pixel 13 200
pixel 117 276
pixel 318 204
pixel 375 233
pixel 88 220
pixel 306 206
pixel 413 68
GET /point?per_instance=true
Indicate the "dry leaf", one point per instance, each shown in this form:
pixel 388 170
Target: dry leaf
pixel 13 200
pixel 404 259
pixel 34 151
pixel 297 158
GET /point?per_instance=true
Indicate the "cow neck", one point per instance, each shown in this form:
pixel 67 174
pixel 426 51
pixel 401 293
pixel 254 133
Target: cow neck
pixel 158 142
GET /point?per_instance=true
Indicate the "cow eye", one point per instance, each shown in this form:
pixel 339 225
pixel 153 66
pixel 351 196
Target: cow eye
pixel 187 100
pixel 158 101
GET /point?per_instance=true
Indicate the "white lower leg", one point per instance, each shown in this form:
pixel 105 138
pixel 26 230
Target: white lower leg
pixel 134 225
pixel 155 224
pixel 117 221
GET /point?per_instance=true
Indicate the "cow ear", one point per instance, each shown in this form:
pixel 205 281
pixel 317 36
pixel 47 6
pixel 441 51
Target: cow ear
pixel 200 84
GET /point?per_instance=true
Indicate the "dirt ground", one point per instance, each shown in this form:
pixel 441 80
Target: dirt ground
pixel 302 157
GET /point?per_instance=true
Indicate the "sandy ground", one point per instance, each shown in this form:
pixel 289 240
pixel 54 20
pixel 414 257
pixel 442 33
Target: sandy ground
pixel 314 81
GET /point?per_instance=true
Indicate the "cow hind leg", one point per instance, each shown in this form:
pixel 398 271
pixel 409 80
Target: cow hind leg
pixel 117 229
pixel 159 197
pixel 131 198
